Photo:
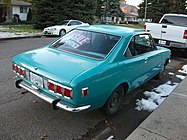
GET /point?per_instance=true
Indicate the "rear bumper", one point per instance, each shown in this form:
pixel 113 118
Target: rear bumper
pixel 54 102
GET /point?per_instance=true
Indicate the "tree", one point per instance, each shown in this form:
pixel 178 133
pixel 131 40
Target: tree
pixel 156 8
pixel 29 15
pixel 50 12
pixel 7 3
pixel 113 8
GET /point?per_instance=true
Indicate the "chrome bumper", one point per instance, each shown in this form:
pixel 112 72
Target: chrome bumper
pixel 51 101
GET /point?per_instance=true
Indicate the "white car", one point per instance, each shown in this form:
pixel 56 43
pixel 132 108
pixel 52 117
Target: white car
pixel 63 28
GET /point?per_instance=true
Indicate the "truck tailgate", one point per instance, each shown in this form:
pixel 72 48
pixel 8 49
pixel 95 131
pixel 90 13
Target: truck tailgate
pixel 173 33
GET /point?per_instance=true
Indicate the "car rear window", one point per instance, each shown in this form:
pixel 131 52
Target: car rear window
pixel 87 43
pixel 175 20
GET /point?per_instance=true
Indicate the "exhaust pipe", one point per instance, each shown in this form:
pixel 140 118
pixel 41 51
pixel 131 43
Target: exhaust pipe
pixel 54 103
pixel 17 83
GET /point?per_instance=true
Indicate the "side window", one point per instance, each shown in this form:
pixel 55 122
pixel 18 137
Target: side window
pixel 72 23
pixel 139 44
pixel 79 23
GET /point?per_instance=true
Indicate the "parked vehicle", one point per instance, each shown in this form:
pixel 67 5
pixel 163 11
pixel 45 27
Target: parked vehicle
pixel 63 28
pixel 170 31
pixel 91 67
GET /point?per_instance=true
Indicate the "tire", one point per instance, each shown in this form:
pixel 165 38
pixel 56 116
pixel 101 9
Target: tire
pixel 160 74
pixel 62 32
pixel 114 102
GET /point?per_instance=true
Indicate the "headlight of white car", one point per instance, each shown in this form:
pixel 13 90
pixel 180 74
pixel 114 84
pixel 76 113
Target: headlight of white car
pixel 52 29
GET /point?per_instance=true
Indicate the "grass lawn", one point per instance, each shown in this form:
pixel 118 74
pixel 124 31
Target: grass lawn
pixel 19 28
pixel 137 26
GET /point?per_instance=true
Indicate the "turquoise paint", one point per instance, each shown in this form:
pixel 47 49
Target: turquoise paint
pixel 100 76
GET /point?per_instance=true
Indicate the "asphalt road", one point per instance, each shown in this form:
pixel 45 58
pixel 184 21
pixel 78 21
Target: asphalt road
pixel 28 117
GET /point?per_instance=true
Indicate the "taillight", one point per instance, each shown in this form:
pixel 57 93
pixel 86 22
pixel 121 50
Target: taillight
pixel 144 27
pixel 16 69
pixel 67 92
pixel 59 89
pixel 84 92
pixel 51 86
pixel 185 34
pixel 21 72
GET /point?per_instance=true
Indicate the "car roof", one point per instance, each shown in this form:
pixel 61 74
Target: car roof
pixel 111 29
pixel 179 15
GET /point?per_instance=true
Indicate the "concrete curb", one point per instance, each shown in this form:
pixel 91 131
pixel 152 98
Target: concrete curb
pixel 168 121
pixel 21 37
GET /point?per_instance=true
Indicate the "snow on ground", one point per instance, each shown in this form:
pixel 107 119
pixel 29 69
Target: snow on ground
pixel 184 70
pixel 111 137
pixel 180 77
pixel 155 97
pixel 171 73
pixel 10 35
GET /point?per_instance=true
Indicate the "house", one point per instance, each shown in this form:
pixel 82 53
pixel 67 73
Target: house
pixel 130 12
pixel 18 9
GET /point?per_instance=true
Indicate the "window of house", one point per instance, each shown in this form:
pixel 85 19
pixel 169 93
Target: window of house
pixel 23 9
pixel 139 44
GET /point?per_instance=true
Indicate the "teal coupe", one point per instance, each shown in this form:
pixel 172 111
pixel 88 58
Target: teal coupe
pixel 91 67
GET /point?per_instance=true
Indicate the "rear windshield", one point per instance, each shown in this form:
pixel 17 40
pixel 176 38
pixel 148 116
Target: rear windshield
pixel 175 20
pixel 87 43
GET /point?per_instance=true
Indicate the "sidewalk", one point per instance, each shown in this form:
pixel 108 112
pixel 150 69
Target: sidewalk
pixel 169 121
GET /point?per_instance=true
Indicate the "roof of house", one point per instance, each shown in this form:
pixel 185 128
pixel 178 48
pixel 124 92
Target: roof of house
pixel 18 3
pixel 133 9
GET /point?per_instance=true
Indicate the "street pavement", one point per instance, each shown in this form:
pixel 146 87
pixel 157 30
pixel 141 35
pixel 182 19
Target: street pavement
pixel 169 121
pixel 28 117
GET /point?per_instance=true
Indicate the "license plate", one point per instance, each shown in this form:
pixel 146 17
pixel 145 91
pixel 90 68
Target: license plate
pixel 36 79
pixel 162 42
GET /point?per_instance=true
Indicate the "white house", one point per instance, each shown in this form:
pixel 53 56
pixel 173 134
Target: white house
pixel 20 8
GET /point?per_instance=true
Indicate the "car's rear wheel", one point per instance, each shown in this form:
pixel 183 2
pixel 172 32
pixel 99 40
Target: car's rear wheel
pixel 114 102
pixel 62 32
pixel 160 74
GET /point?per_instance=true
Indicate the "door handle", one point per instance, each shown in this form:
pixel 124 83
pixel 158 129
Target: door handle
pixel 145 60
pixel 164 26
pixel 163 32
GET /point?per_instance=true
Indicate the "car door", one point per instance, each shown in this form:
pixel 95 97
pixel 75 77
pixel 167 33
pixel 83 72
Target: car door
pixel 142 60
pixel 152 57
pixel 71 25
pixel 132 66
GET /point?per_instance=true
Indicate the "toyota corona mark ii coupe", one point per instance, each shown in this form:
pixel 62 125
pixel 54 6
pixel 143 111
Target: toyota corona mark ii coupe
pixel 91 67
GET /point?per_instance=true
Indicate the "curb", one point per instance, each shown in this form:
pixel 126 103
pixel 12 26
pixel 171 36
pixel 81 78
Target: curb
pixel 21 37
pixel 168 121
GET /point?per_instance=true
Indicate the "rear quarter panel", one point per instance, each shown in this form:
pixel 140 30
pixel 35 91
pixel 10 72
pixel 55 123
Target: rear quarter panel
pixel 154 29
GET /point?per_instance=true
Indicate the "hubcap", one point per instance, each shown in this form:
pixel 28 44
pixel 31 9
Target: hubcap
pixel 115 100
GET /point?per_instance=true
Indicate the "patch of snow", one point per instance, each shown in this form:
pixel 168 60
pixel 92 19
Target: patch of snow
pixel 180 77
pixel 111 138
pixel 155 97
pixel 184 70
pixel 171 73
pixel 16 34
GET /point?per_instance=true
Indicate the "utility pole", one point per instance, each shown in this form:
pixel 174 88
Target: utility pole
pixel 145 13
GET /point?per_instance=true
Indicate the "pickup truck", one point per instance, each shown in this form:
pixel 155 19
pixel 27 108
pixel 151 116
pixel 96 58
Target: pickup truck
pixel 171 30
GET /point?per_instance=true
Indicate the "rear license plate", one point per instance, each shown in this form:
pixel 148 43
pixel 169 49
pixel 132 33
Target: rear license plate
pixel 36 79
pixel 163 42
